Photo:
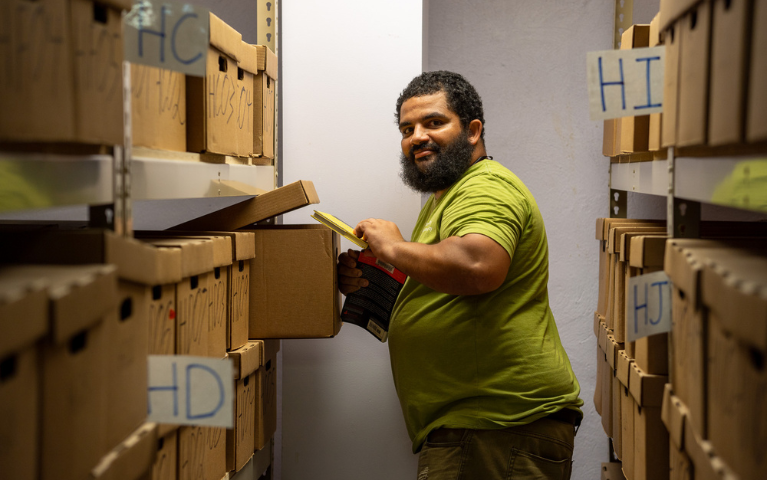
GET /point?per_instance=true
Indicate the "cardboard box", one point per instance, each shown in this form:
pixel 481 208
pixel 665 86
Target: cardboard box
pixel 166 457
pixel 218 284
pixel 130 460
pixel 264 88
pixel 680 466
pixel 270 204
pixel 287 304
pixel 201 453
pixel 158 108
pixel 239 306
pixel 651 444
pixel 635 131
pixel 219 106
pixel 609 148
pixel 74 367
pixel 671 10
pixel 617 433
pixel 695 30
pixel 730 36
pixel 67 75
pixel 671 73
pixel 162 319
pixel 736 422
pixel 240 441
pixel 598 384
pixel 622 375
pixel 266 407
pixel 23 323
pixel 656 119
pixel 607 395
pixel 734 287
pixel 674 414
pixel 756 124
pixel 706 464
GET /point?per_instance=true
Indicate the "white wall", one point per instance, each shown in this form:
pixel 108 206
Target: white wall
pixel 344 64
pixel 528 62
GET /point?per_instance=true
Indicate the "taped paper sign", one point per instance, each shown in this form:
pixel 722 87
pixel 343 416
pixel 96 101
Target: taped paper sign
pixel 187 390
pixel 625 83
pixel 648 305
pixel 168 35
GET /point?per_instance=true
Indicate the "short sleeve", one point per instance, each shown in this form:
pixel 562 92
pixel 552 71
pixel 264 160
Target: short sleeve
pixel 489 205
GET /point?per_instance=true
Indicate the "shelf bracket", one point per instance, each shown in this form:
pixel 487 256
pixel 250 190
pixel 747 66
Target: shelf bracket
pixel 618 203
pixel 683 216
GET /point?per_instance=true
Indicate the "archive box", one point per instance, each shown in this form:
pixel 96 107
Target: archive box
pixel 158 108
pixel 240 440
pixel 635 131
pixel 264 88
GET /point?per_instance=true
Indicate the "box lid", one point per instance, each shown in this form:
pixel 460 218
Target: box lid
pixel 247 358
pixel 602 338
pixel 267 60
pixel 647 250
pixel 196 253
pixel 671 10
pixel 281 200
pixel 23 311
pixel 625 244
pixel 734 286
pixel 604 224
pixel 248 58
pixel 224 37
pixel 674 414
pixel 613 348
pixel 135 261
pixel 636 36
pixel 615 240
pixel 655 36
pixel 78 296
pixel 132 458
pixel 623 368
pixel 646 389
pixel 708 466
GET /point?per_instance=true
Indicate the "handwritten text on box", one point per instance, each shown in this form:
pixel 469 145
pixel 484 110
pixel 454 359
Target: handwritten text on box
pixel 648 305
pixel 625 83
pixel 189 390
pixel 167 35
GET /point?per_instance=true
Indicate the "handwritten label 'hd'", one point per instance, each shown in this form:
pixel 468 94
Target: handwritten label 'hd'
pixel 188 390
pixel 648 305
pixel 167 35
pixel 625 83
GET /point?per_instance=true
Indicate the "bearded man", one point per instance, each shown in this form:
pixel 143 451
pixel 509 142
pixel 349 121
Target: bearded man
pixel 486 388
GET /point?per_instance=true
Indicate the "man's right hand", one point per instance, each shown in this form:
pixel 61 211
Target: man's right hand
pixel 348 275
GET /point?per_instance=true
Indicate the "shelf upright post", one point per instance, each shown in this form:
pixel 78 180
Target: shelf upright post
pixel 683 216
pixel 127 152
pixel 618 199
pixel 268 33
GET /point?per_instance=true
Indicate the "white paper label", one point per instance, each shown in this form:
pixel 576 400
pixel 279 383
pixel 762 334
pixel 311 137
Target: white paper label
pixel 189 390
pixel 648 305
pixel 625 83
pixel 167 35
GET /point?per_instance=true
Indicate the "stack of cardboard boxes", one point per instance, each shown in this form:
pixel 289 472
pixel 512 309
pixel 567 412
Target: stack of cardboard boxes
pixel 715 69
pixel 82 309
pixel 709 375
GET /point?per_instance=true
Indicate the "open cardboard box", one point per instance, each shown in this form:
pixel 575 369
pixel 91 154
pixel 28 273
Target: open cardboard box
pixel 240 440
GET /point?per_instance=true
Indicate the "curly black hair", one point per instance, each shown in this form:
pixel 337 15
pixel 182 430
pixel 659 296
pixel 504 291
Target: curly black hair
pixel 462 97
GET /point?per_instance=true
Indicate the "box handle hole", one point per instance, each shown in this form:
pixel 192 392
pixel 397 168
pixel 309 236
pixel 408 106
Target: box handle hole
pixel 757 359
pixel 99 13
pixel 727 4
pixel 160 444
pixel 268 365
pixel 217 272
pixel 156 292
pixel 268 82
pixel 194 282
pixel 7 368
pixel 241 265
pixel 78 342
pixel 246 380
pixel 693 19
pixel 240 73
pixel 126 309
pixel 222 63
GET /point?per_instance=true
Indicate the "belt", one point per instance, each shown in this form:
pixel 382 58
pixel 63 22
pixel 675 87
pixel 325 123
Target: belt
pixel 450 435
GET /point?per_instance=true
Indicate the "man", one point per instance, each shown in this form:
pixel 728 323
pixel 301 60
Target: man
pixel 485 386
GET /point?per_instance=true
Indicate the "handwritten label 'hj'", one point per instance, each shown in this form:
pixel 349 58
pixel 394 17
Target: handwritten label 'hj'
pixel 648 305
pixel 625 83
pixel 167 35
pixel 189 390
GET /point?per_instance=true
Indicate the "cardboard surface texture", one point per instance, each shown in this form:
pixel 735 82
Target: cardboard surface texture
pixel 635 131
pixel 756 129
pixel 264 88
pixel 730 34
pixel 281 200
pixel 674 414
pixel 240 441
pixel 23 312
pixel 671 71
pixel 166 457
pixel 219 106
pixel 68 82
pixel 201 453
pixel 132 458
pixel 266 401
pixel 646 389
pixel 158 108
pixel 695 31
pixel 284 304
pixel 671 10
pixel 612 471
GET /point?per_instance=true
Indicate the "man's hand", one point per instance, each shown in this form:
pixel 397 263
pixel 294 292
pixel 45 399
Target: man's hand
pixel 348 275
pixel 381 235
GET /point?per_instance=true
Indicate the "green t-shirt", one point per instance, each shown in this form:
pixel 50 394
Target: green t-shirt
pixel 482 361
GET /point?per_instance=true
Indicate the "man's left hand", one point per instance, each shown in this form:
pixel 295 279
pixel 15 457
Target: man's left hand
pixel 381 236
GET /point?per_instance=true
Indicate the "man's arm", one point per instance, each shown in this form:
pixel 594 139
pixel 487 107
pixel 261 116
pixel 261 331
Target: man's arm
pixel 468 265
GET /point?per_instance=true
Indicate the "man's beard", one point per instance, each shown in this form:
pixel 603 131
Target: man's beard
pixel 447 167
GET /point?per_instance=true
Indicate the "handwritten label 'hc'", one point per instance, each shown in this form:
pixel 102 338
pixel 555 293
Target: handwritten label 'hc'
pixel 167 35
